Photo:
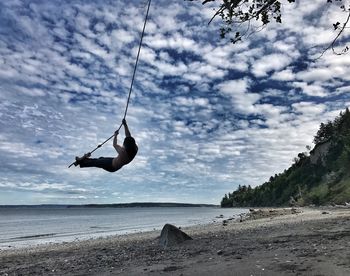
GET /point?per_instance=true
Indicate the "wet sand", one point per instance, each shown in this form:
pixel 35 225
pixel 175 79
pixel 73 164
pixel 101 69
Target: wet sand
pixel 270 242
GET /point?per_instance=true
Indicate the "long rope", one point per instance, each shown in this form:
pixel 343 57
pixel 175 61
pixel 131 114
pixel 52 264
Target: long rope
pixel 137 59
pixel 132 81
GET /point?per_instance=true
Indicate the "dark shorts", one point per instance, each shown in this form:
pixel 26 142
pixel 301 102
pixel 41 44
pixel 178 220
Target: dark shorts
pixel 105 163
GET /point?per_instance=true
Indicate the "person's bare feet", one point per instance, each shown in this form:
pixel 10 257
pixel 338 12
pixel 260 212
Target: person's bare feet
pixel 78 159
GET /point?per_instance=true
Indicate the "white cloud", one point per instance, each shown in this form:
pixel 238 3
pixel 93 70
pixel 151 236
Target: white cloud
pixel 344 89
pixel 309 109
pixel 269 63
pixel 311 89
pixel 186 101
pixel 123 36
pixel 285 75
pixel 316 74
pixel 242 100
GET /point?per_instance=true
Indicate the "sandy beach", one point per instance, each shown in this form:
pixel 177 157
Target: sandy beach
pixel 298 241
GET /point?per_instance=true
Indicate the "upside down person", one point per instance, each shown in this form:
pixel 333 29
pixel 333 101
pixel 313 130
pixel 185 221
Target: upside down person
pixel 126 154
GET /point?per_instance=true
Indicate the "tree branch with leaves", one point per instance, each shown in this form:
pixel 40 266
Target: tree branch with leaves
pixel 236 13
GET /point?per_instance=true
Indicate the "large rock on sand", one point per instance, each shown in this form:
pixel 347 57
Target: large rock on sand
pixel 171 235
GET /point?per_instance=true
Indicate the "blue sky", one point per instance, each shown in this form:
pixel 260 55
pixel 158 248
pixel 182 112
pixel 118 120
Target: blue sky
pixel 207 115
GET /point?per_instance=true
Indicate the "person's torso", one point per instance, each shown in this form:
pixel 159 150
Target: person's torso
pixel 122 159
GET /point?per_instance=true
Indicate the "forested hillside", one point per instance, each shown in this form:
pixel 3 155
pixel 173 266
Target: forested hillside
pixel 321 176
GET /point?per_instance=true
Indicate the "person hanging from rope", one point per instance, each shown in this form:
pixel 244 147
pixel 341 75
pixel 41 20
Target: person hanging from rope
pixel 126 154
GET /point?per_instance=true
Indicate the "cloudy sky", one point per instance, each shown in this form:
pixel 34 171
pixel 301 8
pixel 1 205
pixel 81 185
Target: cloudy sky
pixel 207 115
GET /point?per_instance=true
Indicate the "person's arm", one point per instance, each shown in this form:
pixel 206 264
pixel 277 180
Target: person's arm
pixel 126 128
pixel 115 142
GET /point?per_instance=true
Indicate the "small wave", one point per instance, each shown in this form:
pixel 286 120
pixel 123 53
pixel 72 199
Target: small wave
pixel 99 227
pixel 35 236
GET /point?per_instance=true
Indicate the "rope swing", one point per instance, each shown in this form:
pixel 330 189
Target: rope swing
pixel 132 81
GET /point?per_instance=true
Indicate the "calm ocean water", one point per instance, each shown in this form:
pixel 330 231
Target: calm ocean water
pixel 21 227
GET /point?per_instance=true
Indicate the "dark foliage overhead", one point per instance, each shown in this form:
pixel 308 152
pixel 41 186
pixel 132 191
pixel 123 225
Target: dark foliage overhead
pixel 238 14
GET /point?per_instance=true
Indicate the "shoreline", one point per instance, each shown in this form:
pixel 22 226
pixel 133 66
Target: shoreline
pixel 81 224
pixel 311 242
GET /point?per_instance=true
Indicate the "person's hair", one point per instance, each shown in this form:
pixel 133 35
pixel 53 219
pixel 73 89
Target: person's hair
pixel 130 146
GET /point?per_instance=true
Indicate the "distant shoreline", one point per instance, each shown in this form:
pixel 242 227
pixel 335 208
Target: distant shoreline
pixel 112 205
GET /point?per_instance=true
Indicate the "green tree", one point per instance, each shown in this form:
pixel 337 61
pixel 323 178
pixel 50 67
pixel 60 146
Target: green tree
pixel 225 202
pixel 307 182
pixel 325 132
